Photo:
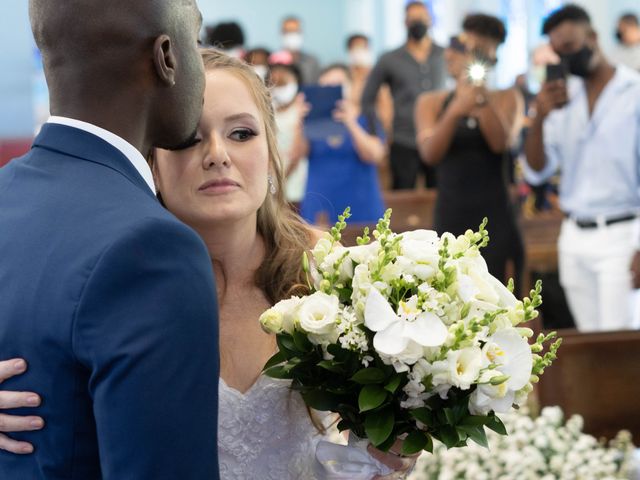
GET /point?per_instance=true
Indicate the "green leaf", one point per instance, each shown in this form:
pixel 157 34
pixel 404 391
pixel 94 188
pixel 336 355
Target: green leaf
pixel 371 396
pixel 449 436
pixel 423 415
pixel 393 384
pixel 475 421
pixel 301 341
pixel 331 366
pixel 477 434
pixel 286 345
pixel 368 375
pixel 379 425
pixel 320 400
pixel 277 359
pixel 414 442
pixel 496 425
pixel 387 444
pixel 279 371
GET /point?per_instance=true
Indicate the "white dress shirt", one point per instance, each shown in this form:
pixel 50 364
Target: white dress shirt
pixel 598 155
pixel 128 150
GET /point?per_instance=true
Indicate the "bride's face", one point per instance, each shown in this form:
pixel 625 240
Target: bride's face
pixel 224 176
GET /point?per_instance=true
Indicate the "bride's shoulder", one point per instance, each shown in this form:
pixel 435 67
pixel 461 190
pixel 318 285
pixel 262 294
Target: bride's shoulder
pixel 315 234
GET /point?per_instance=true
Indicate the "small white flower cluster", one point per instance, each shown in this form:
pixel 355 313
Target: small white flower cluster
pixel 543 448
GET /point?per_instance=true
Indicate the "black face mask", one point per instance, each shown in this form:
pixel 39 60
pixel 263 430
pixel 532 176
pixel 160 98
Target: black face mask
pixel 578 62
pixel 619 36
pixel 417 30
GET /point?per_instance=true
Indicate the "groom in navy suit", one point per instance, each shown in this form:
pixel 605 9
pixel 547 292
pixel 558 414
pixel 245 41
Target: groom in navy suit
pixel 109 297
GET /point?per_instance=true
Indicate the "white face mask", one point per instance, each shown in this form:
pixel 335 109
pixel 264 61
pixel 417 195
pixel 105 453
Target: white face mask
pixel 292 41
pixel 261 70
pixel 283 96
pixel 361 57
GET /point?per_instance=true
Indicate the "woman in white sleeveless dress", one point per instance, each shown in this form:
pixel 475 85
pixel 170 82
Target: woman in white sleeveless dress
pixel 227 186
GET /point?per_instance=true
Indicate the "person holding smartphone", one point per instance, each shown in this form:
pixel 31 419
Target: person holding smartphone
pixel 466 134
pixel 588 126
pixel 343 157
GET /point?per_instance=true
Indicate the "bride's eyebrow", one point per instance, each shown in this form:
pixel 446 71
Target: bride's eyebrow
pixel 240 116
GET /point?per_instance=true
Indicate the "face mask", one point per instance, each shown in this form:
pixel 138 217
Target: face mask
pixel 361 57
pixel 619 36
pixel 292 41
pixel 261 70
pixel 283 96
pixel 578 62
pixel 417 30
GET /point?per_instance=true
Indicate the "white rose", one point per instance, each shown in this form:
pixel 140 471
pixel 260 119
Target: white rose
pixel 318 314
pixel 420 246
pixel 281 316
pixel 271 321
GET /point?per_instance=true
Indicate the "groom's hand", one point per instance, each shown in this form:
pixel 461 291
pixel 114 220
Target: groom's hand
pixel 8 400
pixel 400 465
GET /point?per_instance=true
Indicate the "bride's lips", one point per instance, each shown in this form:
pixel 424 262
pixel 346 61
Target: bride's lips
pixel 220 185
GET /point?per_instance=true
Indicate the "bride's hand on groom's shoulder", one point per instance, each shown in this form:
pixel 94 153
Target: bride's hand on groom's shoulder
pixel 400 465
pixel 9 400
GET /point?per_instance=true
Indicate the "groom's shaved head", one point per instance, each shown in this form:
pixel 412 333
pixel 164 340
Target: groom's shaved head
pixel 97 30
pixel 116 55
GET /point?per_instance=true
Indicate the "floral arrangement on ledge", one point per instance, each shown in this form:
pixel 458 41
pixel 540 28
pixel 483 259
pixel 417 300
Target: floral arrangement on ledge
pixel 542 448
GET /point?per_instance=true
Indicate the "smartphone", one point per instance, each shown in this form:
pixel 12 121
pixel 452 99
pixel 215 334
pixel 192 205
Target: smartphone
pixel 556 72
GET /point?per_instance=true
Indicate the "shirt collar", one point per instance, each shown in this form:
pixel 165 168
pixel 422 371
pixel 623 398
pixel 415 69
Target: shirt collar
pixel 128 150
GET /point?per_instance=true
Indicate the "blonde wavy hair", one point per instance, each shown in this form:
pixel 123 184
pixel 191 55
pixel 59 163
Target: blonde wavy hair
pixel 285 234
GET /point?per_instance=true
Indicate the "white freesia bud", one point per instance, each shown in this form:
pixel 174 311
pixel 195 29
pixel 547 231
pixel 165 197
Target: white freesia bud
pixel 322 248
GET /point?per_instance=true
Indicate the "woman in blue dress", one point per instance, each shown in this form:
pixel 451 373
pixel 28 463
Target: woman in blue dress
pixel 343 163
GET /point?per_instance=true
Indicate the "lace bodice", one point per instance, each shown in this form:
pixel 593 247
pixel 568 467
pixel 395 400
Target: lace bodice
pixel 265 433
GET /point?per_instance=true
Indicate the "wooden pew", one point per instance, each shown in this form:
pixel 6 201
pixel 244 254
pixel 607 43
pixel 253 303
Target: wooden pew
pixel 412 209
pixel 597 375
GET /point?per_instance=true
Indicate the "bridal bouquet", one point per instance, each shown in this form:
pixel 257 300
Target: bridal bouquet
pixel 408 336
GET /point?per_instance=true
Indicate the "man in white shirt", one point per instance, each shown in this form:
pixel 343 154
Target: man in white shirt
pixel 588 127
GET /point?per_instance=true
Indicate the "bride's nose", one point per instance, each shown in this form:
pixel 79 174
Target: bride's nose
pixel 216 154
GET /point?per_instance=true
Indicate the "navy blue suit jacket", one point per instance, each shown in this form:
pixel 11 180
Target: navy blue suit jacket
pixel 111 300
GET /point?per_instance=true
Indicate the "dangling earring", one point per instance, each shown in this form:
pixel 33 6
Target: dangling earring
pixel 272 185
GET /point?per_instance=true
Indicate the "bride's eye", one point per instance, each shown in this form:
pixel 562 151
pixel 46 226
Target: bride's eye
pixel 243 134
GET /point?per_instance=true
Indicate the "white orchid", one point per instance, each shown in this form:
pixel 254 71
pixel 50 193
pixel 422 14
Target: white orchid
pixel 511 355
pixel 401 332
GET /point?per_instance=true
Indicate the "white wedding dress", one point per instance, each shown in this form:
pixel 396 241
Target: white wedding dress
pixel 265 433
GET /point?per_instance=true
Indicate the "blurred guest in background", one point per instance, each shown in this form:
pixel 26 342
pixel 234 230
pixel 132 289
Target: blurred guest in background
pixel 467 133
pixel 292 42
pixel 360 63
pixel 289 112
pixel 628 35
pixel 342 168
pixel 415 67
pixel 589 127
pixel 227 37
pixel 258 58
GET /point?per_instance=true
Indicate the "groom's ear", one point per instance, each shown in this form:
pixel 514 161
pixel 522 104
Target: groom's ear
pixel 164 60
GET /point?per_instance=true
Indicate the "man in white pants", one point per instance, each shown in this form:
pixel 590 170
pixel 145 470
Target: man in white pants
pixel 588 126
